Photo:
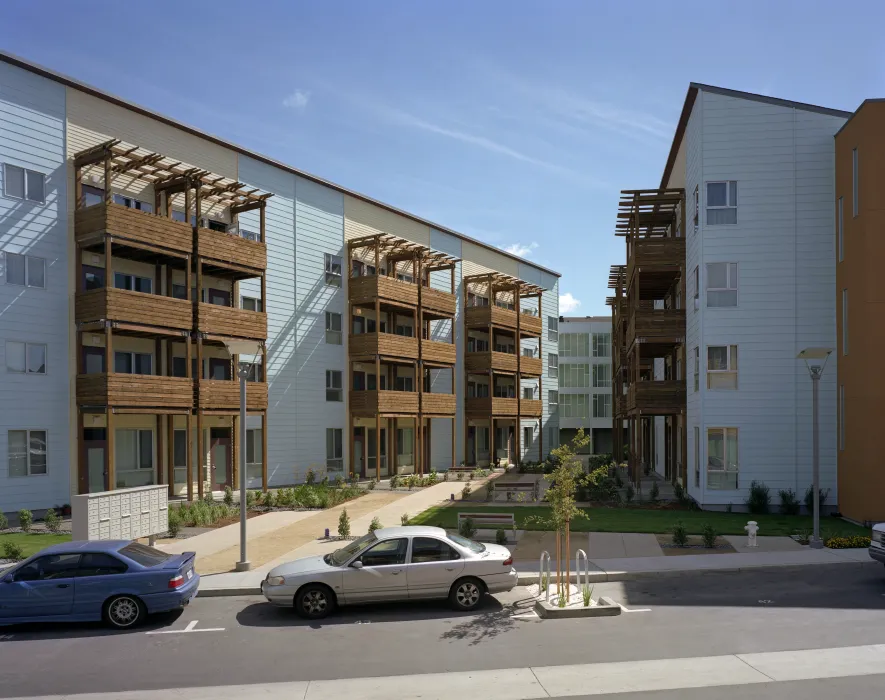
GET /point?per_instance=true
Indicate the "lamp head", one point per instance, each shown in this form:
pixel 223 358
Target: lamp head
pixel 815 360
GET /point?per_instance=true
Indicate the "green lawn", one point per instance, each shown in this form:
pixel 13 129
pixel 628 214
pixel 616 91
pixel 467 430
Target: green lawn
pixel 653 521
pixel 33 542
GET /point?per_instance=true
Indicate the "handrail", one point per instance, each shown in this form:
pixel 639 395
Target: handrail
pixel 545 556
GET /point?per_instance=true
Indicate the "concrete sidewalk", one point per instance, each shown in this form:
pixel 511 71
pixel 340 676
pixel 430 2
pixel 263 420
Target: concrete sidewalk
pixel 607 570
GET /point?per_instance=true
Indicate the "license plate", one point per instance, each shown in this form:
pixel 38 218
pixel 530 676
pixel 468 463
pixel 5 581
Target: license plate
pixel 190 574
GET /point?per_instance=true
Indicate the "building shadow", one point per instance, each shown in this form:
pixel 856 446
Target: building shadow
pixel 13 634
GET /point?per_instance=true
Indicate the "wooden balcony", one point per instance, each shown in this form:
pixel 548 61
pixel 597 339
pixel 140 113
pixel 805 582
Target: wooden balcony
pixel 490 360
pixel 659 257
pixel 436 351
pixel 438 404
pixel 531 366
pixel 491 405
pixel 224 395
pixel 133 307
pixel 369 403
pixel 482 316
pixel 657 326
pixel 228 322
pixel 388 344
pixel 657 398
pixel 531 408
pixel 133 225
pixel 135 390
pixel 364 290
pixel 437 303
pixel 228 249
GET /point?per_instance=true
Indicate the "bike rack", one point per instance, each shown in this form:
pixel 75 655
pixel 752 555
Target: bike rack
pixel 545 556
pixel 578 555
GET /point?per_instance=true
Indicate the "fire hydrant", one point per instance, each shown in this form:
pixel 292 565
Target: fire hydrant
pixel 752 528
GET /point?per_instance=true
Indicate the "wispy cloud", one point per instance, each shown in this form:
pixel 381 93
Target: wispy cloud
pixel 567 303
pixel 520 250
pixel 297 100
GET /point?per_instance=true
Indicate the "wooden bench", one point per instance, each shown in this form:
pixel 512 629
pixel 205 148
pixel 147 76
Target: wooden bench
pixel 511 487
pixel 488 520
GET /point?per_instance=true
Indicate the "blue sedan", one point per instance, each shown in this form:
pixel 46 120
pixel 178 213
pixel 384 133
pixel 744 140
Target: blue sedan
pixel 112 580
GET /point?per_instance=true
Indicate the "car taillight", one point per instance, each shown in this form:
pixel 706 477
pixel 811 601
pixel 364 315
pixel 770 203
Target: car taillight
pixel 508 561
pixel 176 581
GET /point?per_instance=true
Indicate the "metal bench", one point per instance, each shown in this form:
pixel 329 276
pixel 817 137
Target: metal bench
pixel 488 520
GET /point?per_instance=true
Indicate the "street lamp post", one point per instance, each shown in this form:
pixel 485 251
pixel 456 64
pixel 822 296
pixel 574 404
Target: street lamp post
pixel 815 361
pixel 243 347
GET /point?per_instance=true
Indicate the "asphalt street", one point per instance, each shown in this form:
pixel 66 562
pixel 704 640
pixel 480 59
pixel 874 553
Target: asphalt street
pixel 227 641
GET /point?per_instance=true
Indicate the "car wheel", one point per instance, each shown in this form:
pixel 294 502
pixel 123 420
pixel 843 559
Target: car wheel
pixel 123 611
pixel 466 594
pixel 314 602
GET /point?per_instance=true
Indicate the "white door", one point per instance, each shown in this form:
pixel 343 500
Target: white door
pixel 382 575
pixel 95 467
pixel 358 454
pixel 433 568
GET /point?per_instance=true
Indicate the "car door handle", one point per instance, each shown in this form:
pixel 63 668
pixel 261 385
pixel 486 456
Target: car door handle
pixel 450 568
pixel 396 573
pixel 63 585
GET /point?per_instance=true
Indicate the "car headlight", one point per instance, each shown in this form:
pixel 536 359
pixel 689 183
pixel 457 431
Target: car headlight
pixel 878 537
pixel 275 580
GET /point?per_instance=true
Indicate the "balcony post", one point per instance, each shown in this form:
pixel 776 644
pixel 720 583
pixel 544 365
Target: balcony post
pixel 517 306
pixel 161 452
pixel 109 456
pixel 264 448
pixel 493 451
pixel 201 455
pixel 188 456
pixel 261 226
pixel 170 453
pixel 78 188
pixel 378 415
pixel 419 364
pixel 108 195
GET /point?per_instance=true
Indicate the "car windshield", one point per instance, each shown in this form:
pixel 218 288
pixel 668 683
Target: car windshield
pixel 144 555
pixel 341 556
pixel 469 544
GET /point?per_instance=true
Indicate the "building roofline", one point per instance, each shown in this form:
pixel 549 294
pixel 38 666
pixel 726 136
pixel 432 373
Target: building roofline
pixel 854 113
pixel 691 95
pixel 566 319
pixel 50 74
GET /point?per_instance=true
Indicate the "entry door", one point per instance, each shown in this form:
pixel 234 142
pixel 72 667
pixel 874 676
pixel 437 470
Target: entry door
pixel 220 457
pixel 94 446
pixel 471 445
pixel 370 453
pixel 358 451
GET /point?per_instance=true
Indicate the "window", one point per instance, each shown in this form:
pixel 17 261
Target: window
pixel 840 228
pixel 552 399
pixel 552 328
pixel 25 271
pixel 404 444
pixel 403 330
pixel 841 416
pixel 19 183
pixel 145 555
pixel 574 344
pixel 574 376
pixel 722 458
pixel 27 452
pixel 133 283
pixel 722 284
pixel 403 384
pixel 427 549
pixel 333 385
pixel 95 195
pixel 93 360
pixel 93 278
pixel 476 300
pixel 404 277
pixel 254 371
pixel 333 328
pixel 528 434
pixel 602 405
pixel 722 202
pixel 333 270
pixel 722 367
pixel 697 457
pixel 134 452
pixel 254 446
pixel 99 564
pixel 29 358
pixel 179 448
pixel 552 365
pixel 386 553
pixel 250 304
pixel 574 406
pixel 697 282
pixel 528 392
pixel 133 362
pixel 854 183
pixel 844 321
pixel 602 345
pixel 52 567
pixel 334 449
pixel 132 203
pixel 214 225
pixel 602 375
pixel 697 206
pixel 697 368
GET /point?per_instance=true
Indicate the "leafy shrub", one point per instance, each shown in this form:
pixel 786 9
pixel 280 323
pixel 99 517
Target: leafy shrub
pixel 679 492
pixel 13 551
pixel 598 486
pixel 789 502
pixel 586 593
pixel 467 528
pixel 394 481
pixel 465 492
pixel 52 521
pixel 174 526
pixel 344 524
pixel 4 522
pixel 251 499
pixel 354 480
pixel 375 525
pixel 630 492
pixel 809 498
pixel 25 518
pixel 501 536
pixel 619 480
pixel 372 484
pixel 459 475
pixel 339 481
pixel 596 461
pixel 680 536
pixel 654 493
pixel 849 542
pixel 228 496
pixel 759 498
pixel 310 477
pixel 404 519
pixel 270 499
pixel 209 497
pixel 709 536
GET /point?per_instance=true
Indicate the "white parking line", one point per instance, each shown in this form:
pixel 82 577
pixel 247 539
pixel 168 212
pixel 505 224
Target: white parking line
pixel 633 610
pixel 191 627
pixel 5 637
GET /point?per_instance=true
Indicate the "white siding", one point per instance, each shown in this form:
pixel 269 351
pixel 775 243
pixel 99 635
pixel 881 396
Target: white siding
pixel 32 135
pixel 549 307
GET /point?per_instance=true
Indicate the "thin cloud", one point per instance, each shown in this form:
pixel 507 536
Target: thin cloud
pixel 297 100
pixel 567 303
pixel 520 250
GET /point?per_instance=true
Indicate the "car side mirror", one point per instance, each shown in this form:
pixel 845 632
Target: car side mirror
pixel 357 565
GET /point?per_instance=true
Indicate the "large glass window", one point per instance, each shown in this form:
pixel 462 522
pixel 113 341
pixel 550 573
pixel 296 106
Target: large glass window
pixel 574 376
pixel 602 375
pixel 333 328
pixel 722 367
pixel 552 400
pixel 574 405
pixel 552 328
pixel 722 458
pixel 334 449
pixel 26 452
pixel 333 270
pixel 602 345
pixel 602 405
pixel 29 358
pixel 25 270
pixel 20 183
pixel 134 454
pixel 574 344
pixel 552 364
pixel 250 303
pixel 133 283
pixel 721 202
pixel 722 284
pixel 133 363
pixel 334 391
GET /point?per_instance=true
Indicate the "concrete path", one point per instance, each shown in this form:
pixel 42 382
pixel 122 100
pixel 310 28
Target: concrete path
pixel 763 544
pixel 597 545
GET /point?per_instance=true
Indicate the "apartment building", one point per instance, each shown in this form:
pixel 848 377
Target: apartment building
pixel 860 312
pixel 140 255
pixel 584 393
pixel 753 176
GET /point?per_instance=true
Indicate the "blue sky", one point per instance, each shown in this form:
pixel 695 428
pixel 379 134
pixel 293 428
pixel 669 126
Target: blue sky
pixel 514 122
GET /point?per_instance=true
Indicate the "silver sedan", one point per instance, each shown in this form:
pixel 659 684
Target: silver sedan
pixel 394 563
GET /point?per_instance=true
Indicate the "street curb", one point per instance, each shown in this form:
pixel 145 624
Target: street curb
pixel 605 607
pixel 225 592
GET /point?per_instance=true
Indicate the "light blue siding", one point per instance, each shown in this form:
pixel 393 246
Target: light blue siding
pixel 32 136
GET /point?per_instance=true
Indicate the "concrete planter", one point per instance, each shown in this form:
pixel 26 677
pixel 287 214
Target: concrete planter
pixel 605 607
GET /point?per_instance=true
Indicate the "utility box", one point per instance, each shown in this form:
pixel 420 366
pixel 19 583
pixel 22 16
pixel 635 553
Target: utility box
pixel 123 514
